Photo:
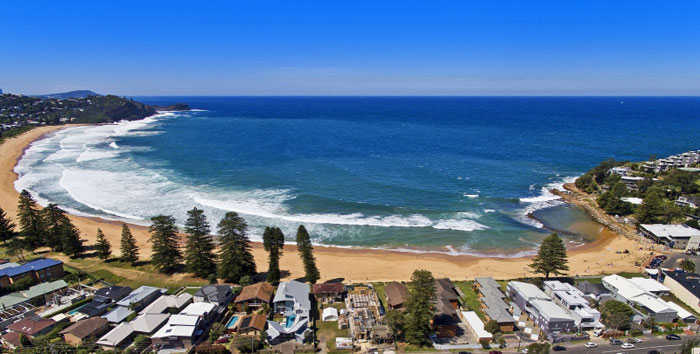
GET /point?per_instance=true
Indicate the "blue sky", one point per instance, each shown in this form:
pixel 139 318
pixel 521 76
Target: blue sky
pixel 352 47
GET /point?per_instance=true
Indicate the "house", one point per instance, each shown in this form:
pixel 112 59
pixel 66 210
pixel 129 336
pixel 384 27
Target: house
pixel 329 314
pixel 251 324
pixel 446 319
pixel 540 308
pixel 119 314
pixel 254 295
pixel 364 311
pixel 493 303
pixel 11 340
pixel 573 300
pixel 650 285
pixel 396 295
pixel 32 326
pixel 672 235
pixel 148 323
pixel 111 294
pixel 179 332
pixel 169 303
pixel 620 171
pixel 291 300
pixel 36 295
pixel 118 338
pixel 688 201
pixel 631 182
pixel 593 291
pixel 684 286
pixel 141 297
pixel 206 311
pixel 630 292
pixel 476 326
pixel 38 270
pixel 329 292
pixel 80 331
pixel 220 295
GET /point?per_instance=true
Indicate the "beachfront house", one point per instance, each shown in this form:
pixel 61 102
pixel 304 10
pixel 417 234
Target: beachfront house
pixel 673 235
pixel 593 291
pixel 640 295
pixel 141 297
pixel 493 303
pixel 396 295
pixel 292 301
pixel 111 294
pixel 685 287
pixel 252 325
pixel 38 270
pixel 220 295
pixel 447 300
pixel 573 300
pixel 254 296
pixel 329 292
pixel 540 308
pixel 168 303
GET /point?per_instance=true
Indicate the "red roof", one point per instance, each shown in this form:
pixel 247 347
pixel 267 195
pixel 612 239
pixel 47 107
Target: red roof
pixel 31 326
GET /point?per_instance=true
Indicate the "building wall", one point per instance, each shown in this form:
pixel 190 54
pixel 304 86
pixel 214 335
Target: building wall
pixel 682 293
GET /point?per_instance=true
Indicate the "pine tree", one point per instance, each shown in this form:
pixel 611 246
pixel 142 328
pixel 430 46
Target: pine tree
pixel 54 219
pixel 167 256
pixel 273 241
pixel 236 258
pixel 72 243
pixel 419 308
pixel 551 257
pixel 306 251
pixel 104 249
pixel 129 249
pixel 199 254
pixel 7 228
pixel 652 207
pixel 31 225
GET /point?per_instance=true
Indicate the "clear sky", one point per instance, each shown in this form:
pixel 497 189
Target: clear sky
pixel 351 47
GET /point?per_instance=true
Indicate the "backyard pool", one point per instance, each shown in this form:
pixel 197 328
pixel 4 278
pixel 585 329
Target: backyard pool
pixel 232 322
pixel 75 310
pixel 290 320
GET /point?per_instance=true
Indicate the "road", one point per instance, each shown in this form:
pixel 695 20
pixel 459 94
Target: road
pixel 655 343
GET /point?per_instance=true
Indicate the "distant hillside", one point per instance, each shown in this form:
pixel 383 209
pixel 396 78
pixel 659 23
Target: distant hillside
pixel 70 94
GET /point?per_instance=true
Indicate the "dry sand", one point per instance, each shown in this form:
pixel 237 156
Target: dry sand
pixel 352 265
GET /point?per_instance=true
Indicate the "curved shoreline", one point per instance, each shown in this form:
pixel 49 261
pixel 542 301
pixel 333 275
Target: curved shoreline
pixel 351 264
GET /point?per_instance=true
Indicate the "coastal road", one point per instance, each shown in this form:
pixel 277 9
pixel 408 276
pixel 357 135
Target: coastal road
pixel 656 343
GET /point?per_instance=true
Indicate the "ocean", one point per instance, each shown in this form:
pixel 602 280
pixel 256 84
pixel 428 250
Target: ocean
pixel 448 174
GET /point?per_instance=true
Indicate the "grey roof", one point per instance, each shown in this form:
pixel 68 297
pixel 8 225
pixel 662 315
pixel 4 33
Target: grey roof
pixel 112 293
pixel 487 282
pixel 497 309
pixel 587 287
pixel 116 336
pixel 215 293
pixel 294 291
pixel 528 291
pixel 138 295
pixel 148 322
pixel 118 314
pixel 167 301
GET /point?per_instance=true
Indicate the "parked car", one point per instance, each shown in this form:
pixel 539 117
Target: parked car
pixel 673 337
pixel 615 341
pixel 591 345
pixel 627 346
pixel 559 348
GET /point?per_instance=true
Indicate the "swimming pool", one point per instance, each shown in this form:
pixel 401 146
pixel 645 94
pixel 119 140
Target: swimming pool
pixel 290 320
pixel 232 322
pixel 75 310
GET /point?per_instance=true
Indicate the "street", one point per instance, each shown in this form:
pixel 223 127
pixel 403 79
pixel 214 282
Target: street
pixel 655 343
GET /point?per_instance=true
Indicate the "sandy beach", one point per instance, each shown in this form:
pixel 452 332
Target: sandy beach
pixel 352 265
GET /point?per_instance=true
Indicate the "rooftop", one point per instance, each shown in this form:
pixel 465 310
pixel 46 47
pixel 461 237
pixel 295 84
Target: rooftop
pixel 198 309
pixel 117 335
pixel 139 295
pixel 214 292
pixel 37 264
pixel 86 327
pixel 528 291
pixel 31 326
pixel 258 291
pixel 671 230
pixel 396 293
pixel 294 291
pixel 690 281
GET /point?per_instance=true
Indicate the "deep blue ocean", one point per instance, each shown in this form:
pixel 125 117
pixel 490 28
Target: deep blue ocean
pixel 454 174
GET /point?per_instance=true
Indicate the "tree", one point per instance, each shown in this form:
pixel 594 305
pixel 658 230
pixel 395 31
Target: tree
pixel 492 327
pixel 616 314
pixel 54 218
pixel 688 265
pixel 273 241
pixel 306 252
pixel 652 207
pixel 611 201
pixel 104 249
pixel 419 307
pixel 551 257
pixel 166 255
pixel 236 259
pixel 538 348
pixel 397 322
pixel 31 224
pixel 199 253
pixel 129 249
pixel 216 331
pixel 72 244
pixel 688 345
pixel 7 227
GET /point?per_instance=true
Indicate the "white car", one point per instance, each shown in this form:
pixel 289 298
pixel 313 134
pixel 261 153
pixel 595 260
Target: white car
pixel 591 345
pixel 627 346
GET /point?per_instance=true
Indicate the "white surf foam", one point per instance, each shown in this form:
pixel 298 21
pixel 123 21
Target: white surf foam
pixel 546 199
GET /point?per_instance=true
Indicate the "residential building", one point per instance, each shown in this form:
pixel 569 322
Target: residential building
pixel 620 171
pixel 32 326
pixel 573 300
pixel 206 311
pixel 254 296
pixel 118 314
pixel 630 292
pixel 253 324
pixel 476 326
pixel 540 308
pixel 123 334
pixel 38 270
pixel 685 287
pixel 672 235
pixel 396 295
pixel 292 301
pixel 493 303
pixel 329 292
pixel 593 291
pixel 180 332
pixel 220 295
pixel 689 201
pixel 111 294
pixel 446 319
pixel 92 327
pixel 364 311
pixel 168 303
pixel 141 297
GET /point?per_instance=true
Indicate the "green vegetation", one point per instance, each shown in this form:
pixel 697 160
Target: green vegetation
pixel 273 241
pixel 687 265
pixel 199 253
pixel 7 227
pixel 419 308
pixel 237 264
pixel 129 249
pixel 166 255
pixel 471 297
pixel 104 249
pixel 551 257
pixel 306 252
pixel 13 132
pixel 616 314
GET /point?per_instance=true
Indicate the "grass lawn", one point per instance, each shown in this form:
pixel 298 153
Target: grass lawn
pixel 328 331
pixel 379 288
pixel 471 298
pixel 673 298
pixel 191 291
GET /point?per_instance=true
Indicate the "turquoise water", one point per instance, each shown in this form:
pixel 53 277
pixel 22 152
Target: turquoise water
pixel 290 320
pixel 75 310
pixel 232 322
pixel 449 174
